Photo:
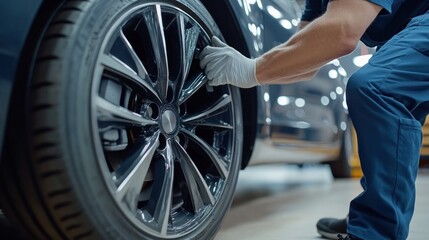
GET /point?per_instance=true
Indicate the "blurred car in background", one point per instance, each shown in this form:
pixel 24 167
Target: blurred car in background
pixel 108 129
pixel 305 122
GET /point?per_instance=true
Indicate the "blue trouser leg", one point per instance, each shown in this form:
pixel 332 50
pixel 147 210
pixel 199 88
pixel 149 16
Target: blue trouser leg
pixel 388 100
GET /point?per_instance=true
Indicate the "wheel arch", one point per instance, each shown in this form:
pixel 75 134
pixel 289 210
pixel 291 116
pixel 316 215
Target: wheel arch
pixel 225 18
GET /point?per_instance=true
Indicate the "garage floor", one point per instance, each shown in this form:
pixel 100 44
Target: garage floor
pixel 285 202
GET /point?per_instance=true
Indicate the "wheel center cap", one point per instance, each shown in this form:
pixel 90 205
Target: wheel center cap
pixel 169 121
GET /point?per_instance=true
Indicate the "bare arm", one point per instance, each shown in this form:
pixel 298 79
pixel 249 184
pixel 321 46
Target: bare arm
pixel 311 73
pixel 302 25
pixel 334 34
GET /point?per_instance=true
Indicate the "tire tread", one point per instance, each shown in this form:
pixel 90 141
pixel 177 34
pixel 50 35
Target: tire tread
pixel 47 209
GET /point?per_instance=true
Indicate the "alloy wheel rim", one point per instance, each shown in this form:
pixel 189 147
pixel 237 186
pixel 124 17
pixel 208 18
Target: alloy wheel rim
pixel 163 137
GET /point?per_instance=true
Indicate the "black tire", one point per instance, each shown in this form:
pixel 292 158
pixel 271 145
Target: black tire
pixel 116 152
pixel 341 167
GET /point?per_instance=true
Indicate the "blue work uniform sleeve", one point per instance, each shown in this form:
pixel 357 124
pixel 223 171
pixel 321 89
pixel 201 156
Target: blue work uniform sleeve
pixel 313 9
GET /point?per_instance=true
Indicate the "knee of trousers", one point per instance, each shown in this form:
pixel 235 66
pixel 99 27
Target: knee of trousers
pixel 359 90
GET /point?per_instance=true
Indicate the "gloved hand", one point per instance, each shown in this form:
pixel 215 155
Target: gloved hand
pixel 225 65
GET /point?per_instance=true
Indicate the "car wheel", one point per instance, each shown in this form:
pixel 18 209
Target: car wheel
pixel 126 139
pixel 341 167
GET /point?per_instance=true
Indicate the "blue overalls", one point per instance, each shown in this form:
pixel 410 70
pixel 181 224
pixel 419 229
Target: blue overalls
pixel 388 100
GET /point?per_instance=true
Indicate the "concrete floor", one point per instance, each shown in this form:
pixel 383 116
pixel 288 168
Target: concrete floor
pixel 285 202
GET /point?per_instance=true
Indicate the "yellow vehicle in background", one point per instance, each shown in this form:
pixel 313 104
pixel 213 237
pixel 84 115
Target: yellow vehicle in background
pixel 424 152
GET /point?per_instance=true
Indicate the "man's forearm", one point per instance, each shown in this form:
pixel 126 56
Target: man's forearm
pixel 312 47
pixel 332 35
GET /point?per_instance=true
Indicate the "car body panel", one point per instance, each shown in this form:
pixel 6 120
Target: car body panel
pixel 15 24
pixel 21 26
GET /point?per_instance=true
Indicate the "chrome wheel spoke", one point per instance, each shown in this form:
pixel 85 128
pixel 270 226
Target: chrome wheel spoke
pixel 217 108
pixel 117 66
pixel 141 70
pixel 187 41
pixel 198 189
pixel 215 124
pixel 108 111
pixel 195 84
pixel 153 18
pixel 162 211
pixel 213 155
pixel 131 181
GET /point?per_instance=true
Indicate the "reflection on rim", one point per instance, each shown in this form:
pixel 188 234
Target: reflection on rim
pixel 164 138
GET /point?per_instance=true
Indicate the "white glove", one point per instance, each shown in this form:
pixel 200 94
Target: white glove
pixel 225 65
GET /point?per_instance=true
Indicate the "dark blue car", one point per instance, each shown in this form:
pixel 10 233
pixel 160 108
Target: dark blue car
pixel 108 129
